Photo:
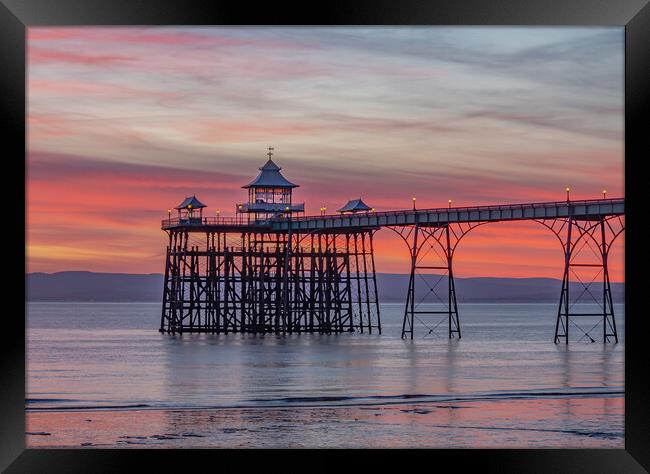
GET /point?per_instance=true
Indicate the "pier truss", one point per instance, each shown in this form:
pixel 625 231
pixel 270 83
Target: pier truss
pixel 431 250
pixel 586 243
pixel 220 280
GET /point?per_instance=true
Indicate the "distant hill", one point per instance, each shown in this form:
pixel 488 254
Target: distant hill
pixel 393 287
pixel 89 286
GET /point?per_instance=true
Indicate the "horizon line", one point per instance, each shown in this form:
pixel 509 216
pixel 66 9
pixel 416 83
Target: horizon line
pixel 378 273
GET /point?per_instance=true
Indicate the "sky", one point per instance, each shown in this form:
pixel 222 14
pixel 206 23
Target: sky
pixel 123 123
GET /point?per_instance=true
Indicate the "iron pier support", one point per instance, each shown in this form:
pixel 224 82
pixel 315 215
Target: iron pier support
pixel 586 244
pixel 270 282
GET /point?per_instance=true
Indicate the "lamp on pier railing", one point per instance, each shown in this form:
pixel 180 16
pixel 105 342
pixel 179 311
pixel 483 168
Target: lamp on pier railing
pixel 218 212
pixel 414 203
pixel 568 191
pixel 322 211
pixel 169 215
pixel 604 194
pixel 449 204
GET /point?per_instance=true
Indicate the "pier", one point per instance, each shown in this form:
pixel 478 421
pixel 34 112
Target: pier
pixel 271 269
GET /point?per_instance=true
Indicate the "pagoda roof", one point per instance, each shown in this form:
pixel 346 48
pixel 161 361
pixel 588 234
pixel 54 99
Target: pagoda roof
pixel 271 177
pixel 355 205
pixel 190 202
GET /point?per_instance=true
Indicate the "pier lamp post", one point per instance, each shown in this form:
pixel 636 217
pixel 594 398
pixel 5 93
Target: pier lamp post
pixel 449 204
pixel 218 212
pixel 169 216
pixel 568 191
pixel 414 203
pixel 322 211
pixel 604 194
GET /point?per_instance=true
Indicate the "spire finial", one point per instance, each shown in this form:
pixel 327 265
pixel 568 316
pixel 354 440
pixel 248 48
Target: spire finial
pixel 270 153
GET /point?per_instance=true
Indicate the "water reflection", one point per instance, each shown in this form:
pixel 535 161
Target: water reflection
pixel 227 370
pixel 351 385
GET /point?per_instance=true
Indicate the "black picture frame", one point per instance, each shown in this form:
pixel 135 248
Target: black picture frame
pixel 17 15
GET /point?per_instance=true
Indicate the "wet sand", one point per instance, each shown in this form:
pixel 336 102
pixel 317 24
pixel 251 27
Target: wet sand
pixel 581 422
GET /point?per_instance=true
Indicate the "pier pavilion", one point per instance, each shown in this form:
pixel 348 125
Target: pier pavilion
pixel 243 275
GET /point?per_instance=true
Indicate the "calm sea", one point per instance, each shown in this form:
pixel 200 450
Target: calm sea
pixel 100 374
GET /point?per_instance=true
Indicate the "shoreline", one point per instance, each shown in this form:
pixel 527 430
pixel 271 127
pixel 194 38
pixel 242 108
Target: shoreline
pixel 325 402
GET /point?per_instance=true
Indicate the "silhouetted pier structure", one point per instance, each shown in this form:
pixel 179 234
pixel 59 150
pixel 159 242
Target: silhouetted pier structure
pixel 271 269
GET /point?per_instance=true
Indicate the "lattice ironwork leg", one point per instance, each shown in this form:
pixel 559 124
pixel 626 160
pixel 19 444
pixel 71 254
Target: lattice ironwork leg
pixel 562 323
pixel 443 240
pixel 164 317
pixel 374 281
pixel 454 321
pixel 409 308
pixel 578 236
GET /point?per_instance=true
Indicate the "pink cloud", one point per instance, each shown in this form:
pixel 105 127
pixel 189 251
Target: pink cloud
pixel 153 36
pixel 37 55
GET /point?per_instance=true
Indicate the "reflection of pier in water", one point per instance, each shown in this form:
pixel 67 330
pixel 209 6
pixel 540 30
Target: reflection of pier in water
pixel 271 269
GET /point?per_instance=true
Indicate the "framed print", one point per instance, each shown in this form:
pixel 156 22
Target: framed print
pixel 371 227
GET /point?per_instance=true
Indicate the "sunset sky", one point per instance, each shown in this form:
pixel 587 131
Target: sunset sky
pixel 123 123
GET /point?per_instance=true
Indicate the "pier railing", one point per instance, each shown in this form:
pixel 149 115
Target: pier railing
pixel 200 221
pixel 443 215
pixel 533 210
pixel 239 221
pixel 498 207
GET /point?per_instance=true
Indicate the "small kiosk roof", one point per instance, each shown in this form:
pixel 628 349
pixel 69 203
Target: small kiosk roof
pixel 355 205
pixel 190 203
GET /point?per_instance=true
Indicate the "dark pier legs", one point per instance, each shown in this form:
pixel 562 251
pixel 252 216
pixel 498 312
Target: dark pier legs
pixel 586 243
pixel 324 281
pixel 593 238
pixel 439 240
pixel 260 282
